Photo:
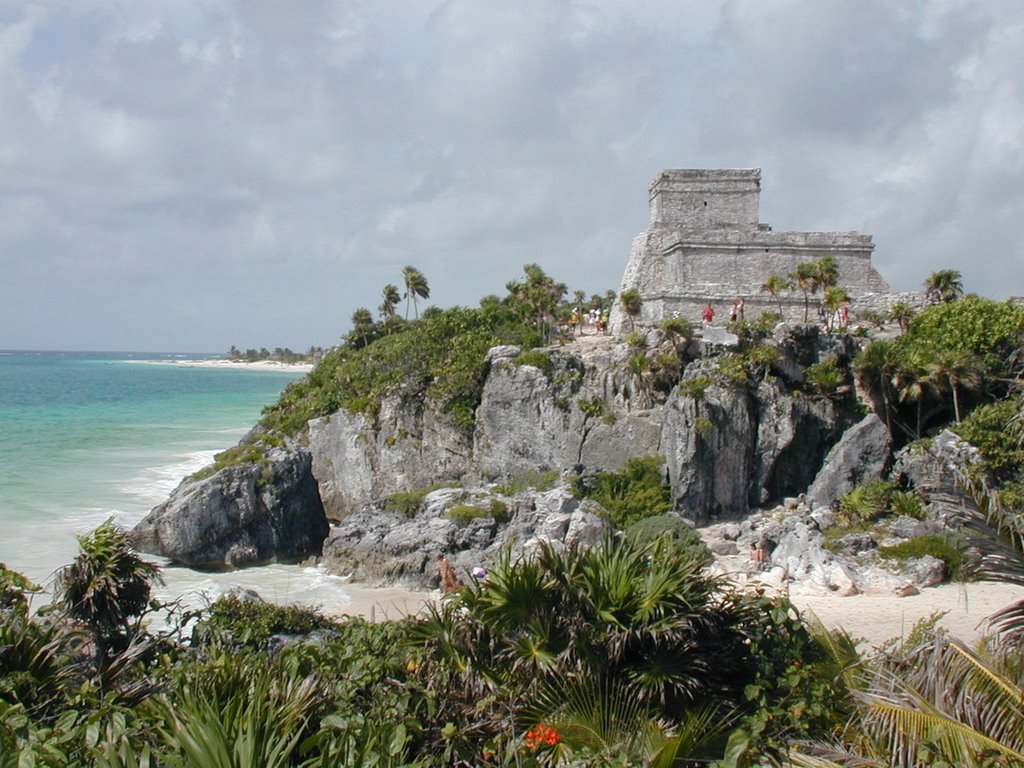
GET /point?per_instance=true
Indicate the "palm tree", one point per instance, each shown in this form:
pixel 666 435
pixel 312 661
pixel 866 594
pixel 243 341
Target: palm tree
pixel 804 278
pixel 415 287
pixel 631 302
pixel 362 326
pixel 391 300
pixel 956 370
pixel 874 367
pixel 536 298
pixel 105 586
pixel 932 703
pixel 944 286
pixel 902 313
pixel 826 271
pixel 913 382
pixel 775 285
pixel 647 615
pixel 833 299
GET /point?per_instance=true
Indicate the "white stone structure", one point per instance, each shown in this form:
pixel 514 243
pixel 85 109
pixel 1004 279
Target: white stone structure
pixel 705 245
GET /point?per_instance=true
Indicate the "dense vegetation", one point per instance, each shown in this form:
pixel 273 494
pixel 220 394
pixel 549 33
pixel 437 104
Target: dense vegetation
pixel 624 654
pixel 438 357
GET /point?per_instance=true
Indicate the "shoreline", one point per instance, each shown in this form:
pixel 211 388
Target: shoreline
pixel 258 365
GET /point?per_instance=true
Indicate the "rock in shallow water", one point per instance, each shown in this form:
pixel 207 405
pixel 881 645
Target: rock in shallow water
pixel 244 515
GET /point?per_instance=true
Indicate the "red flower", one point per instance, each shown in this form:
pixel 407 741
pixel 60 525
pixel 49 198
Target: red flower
pixel 542 735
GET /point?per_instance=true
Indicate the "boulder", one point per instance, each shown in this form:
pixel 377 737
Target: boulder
pixel 861 454
pixel 244 515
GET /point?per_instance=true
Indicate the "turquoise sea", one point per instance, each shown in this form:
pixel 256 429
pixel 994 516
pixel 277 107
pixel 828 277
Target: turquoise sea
pixel 85 436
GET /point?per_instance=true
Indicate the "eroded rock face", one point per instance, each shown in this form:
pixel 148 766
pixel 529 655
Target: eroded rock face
pixel 733 449
pixel 410 446
pixel 861 454
pixel 373 546
pixel 240 516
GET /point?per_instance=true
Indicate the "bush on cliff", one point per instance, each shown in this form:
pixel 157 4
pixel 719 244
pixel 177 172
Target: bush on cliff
pixel 439 357
pixel 635 493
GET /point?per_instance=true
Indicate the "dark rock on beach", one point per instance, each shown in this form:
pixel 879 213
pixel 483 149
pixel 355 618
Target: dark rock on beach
pixel 244 515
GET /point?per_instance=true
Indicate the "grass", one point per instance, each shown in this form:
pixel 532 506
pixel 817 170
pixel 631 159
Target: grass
pixel 538 480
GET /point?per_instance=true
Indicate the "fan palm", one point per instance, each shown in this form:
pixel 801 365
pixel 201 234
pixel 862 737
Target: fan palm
pixel 805 278
pixel 391 299
pixel 631 303
pixel 644 614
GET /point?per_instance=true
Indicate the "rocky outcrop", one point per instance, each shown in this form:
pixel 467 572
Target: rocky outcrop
pixel 732 449
pixel 244 515
pixel 861 454
pixel 374 546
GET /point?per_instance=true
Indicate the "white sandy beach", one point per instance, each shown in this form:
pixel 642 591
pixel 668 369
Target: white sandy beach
pixel 877 618
pixel 259 365
pixel 871 618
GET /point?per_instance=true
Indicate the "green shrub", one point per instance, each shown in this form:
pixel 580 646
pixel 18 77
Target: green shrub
pixel 867 502
pixel 677 326
pixel 632 494
pixel 695 387
pixel 685 536
pixel 945 548
pixel 704 426
pixel 539 480
pixel 439 357
pixel 406 503
pixel 825 377
pixel 499 510
pixel 464 513
pixel 593 407
pixel 636 341
pixel 907 504
pixel 537 359
pixel 252 623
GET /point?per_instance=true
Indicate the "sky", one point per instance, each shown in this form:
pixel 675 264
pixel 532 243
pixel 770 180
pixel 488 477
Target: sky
pixel 186 176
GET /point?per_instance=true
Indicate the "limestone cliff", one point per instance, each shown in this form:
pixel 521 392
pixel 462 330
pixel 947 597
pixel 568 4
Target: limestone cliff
pixel 729 445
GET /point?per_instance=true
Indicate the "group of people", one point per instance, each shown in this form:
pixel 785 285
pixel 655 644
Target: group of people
pixel 595 318
pixel 736 312
pixel 840 317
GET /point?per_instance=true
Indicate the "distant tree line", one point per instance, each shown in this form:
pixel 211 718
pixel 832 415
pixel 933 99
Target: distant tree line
pixel 282 355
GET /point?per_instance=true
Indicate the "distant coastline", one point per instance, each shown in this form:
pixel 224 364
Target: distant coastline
pixel 256 365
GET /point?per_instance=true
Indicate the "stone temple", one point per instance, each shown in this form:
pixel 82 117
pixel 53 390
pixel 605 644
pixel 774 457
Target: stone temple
pixel 705 244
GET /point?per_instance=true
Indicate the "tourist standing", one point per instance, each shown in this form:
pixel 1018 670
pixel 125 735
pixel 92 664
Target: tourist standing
pixel 708 314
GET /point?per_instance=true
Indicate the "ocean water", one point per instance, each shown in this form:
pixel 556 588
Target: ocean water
pixel 86 436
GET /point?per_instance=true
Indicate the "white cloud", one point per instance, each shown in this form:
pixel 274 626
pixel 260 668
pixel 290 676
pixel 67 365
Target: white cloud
pixel 243 171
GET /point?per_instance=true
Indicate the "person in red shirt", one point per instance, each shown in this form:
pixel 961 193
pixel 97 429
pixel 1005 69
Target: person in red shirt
pixel 708 314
